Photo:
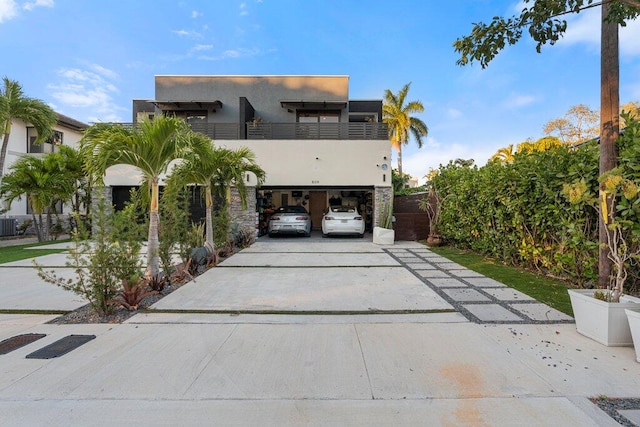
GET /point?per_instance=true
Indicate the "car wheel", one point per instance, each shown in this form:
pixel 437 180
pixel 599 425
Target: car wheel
pixel 325 235
pixel 307 234
pixel 361 235
pixel 271 234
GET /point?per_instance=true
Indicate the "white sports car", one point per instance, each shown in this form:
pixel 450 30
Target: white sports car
pixel 342 220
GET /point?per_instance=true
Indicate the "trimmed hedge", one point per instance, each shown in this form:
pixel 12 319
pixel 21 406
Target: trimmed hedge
pixel 517 212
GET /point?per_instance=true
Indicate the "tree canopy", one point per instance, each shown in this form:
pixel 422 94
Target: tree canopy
pixel 15 105
pixel 544 22
pixel 398 113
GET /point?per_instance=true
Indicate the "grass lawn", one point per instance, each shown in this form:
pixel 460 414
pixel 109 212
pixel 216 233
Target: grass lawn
pixel 549 291
pixel 16 253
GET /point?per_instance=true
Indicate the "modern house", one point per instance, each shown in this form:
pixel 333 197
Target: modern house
pixel 316 145
pixel 67 131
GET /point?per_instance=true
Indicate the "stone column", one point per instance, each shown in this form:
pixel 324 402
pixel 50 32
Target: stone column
pixel 239 218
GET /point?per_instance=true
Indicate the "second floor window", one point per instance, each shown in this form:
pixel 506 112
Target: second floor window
pixel 318 116
pixel 49 146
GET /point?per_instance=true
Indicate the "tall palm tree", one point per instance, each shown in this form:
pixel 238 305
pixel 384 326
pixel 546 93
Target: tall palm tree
pixel 44 183
pixel 215 168
pixel 14 105
pixel 150 147
pixel 398 116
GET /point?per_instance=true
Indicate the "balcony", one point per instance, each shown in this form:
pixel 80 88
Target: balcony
pixel 317 131
pixel 346 131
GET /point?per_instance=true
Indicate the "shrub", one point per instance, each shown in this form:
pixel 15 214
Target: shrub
pixel 132 293
pixel 101 264
pixel 517 212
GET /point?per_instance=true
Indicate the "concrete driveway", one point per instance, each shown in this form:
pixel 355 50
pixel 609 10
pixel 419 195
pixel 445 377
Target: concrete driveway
pixel 321 332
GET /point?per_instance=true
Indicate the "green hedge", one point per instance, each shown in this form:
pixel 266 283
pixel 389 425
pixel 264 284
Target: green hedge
pixel 517 212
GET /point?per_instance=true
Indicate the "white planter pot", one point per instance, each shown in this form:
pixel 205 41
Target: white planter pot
pixel 383 236
pixel 604 322
pixel 633 316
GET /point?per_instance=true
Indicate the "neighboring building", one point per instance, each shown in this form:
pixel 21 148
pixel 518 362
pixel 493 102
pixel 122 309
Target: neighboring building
pixel 67 131
pixel 316 145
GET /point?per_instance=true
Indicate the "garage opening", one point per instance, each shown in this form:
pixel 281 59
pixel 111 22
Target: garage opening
pixel 316 201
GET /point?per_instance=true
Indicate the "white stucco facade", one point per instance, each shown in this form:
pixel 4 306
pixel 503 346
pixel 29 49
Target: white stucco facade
pixel 67 131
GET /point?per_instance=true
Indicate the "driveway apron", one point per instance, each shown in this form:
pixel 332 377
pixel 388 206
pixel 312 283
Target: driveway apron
pixel 316 331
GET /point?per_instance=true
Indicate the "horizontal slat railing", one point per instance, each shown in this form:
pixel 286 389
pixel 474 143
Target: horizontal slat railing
pixel 353 131
pixel 317 131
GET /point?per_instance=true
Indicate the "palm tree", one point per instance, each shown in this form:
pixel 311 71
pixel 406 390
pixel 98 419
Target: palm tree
pixel 44 183
pixel 504 155
pixel 150 147
pixel 398 116
pixel 72 164
pixel 14 105
pixel 215 168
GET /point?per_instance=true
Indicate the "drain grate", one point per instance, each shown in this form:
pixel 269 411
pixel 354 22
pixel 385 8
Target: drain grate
pixel 61 347
pixel 14 343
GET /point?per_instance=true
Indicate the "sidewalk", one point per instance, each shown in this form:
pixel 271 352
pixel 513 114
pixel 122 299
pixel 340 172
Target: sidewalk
pixel 441 346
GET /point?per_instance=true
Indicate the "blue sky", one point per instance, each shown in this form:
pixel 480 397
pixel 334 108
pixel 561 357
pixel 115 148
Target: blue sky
pixel 89 59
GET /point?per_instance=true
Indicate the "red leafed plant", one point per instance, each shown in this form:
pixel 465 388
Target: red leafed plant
pixel 132 293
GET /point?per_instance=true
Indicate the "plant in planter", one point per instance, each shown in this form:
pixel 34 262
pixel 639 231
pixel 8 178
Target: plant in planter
pixel 384 234
pixel 600 314
pixel 432 205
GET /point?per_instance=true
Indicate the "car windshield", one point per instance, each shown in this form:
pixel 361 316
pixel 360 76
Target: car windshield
pixel 343 209
pixel 291 209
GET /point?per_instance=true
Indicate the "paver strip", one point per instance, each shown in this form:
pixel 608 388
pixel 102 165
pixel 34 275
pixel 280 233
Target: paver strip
pixel 480 299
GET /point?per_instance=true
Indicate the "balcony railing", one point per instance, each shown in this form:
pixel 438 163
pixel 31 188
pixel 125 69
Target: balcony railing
pixel 352 131
pixel 317 131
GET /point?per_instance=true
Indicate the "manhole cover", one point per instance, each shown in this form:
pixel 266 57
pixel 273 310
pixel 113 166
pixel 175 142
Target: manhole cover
pixel 14 343
pixel 61 347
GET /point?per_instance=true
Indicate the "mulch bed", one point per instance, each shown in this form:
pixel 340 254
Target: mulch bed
pixel 86 313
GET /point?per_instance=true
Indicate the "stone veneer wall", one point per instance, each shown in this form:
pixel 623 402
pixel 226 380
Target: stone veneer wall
pixel 383 195
pixel 239 217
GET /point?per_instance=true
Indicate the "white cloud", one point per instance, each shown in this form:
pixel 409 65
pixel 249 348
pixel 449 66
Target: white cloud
pixel 243 9
pixel 38 3
pixel 8 10
pixel 584 28
pixel 196 14
pixel 201 47
pixel 186 33
pixel 519 101
pixel 231 54
pixel 454 113
pixel 434 153
pixel 90 89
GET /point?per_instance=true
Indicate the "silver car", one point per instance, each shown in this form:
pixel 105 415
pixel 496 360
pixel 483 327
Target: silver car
pixel 290 220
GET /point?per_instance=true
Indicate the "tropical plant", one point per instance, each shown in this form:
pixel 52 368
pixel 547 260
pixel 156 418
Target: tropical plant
pixel 503 155
pixel 102 262
pixel 150 146
pixel 398 113
pixel 385 214
pixel 14 105
pixel 544 23
pixel 174 220
pixel 215 169
pixel 132 293
pixel 431 204
pixel 72 165
pixel 622 243
pixel 44 183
